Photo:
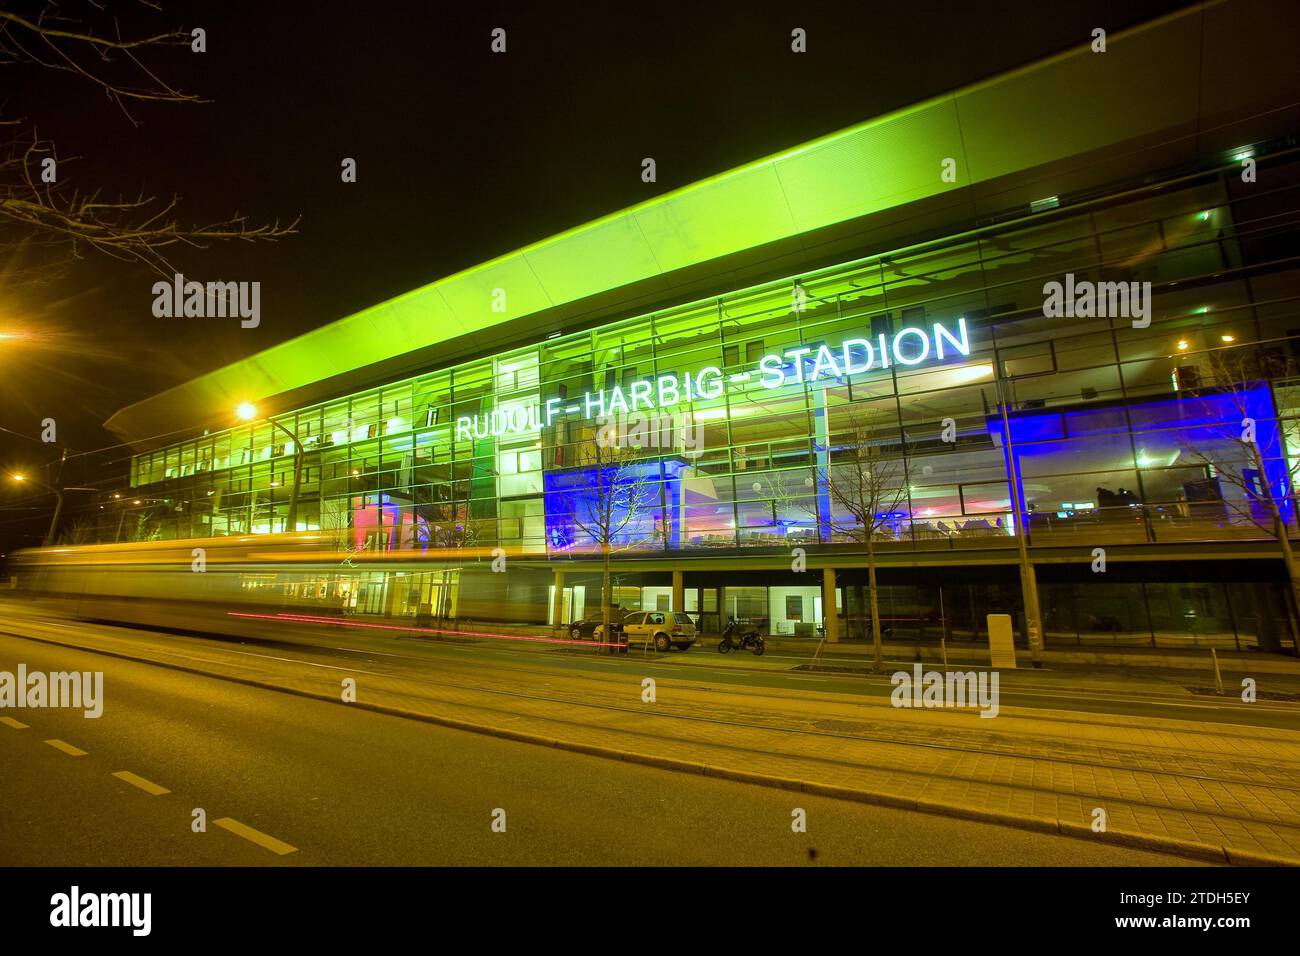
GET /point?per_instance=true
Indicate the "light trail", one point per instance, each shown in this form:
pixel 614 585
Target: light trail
pixel 309 619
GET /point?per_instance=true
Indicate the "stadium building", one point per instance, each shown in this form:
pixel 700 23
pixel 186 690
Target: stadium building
pixel 1048 321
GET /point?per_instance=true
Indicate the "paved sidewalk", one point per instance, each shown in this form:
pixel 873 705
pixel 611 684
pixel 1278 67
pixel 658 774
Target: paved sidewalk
pixel 966 653
pixel 1189 659
pixel 1106 678
pixel 1226 793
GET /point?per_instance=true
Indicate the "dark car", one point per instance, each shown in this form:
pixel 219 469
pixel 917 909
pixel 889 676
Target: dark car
pixel 585 629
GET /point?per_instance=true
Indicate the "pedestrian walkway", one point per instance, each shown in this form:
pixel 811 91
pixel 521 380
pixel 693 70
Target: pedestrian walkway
pixel 858 653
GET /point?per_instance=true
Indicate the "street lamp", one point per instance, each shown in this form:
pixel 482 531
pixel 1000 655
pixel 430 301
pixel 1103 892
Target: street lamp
pixel 1028 576
pixel 58 501
pixel 247 411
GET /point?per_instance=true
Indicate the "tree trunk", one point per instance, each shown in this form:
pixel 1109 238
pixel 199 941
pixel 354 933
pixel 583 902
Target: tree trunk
pixel 604 590
pixel 879 665
pixel 1288 558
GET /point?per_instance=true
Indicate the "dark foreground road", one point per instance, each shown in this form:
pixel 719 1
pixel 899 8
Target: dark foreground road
pixel 347 786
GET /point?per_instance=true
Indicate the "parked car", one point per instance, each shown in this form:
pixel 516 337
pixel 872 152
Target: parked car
pixel 664 629
pixel 585 629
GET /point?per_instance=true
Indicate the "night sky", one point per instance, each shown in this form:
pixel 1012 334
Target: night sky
pixel 462 155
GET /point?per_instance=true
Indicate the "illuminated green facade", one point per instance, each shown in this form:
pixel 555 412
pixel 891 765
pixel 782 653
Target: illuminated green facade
pixel 1118 434
pixel 386 468
pixel 1073 122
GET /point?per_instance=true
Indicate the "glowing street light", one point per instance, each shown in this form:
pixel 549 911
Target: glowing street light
pixel 247 411
pixel 20 478
pixel 16 337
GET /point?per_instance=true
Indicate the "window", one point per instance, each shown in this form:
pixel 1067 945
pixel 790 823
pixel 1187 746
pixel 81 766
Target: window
pixel 517 373
pixel 520 472
pixel 1035 359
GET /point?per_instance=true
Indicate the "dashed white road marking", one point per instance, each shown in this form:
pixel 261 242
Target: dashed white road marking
pixel 66 747
pixel 148 786
pixel 267 842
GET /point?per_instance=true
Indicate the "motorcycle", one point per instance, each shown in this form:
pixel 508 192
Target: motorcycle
pixel 748 639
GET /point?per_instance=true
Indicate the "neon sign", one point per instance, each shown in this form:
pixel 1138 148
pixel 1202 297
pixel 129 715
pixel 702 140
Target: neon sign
pixel 797 366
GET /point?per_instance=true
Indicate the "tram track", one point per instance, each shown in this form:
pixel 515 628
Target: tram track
pixel 676 718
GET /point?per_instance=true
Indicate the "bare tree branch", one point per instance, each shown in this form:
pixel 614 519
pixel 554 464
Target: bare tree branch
pixel 1228 446
pixel 36 213
pixel 608 492
pixel 55 42
pixel 863 484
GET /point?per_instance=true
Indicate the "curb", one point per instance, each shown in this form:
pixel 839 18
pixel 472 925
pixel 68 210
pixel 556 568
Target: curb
pixel 1141 841
pixel 1254 858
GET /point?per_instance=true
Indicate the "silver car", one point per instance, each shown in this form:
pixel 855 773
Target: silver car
pixel 664 629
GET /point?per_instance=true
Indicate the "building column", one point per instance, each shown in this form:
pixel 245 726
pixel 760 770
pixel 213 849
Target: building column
pixel 557 606
pixel 829 617
pixel 821 447
pixel 679 591
pixel 1034 614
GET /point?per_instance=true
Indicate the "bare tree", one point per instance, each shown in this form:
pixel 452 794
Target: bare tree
pixel 449 531
pixel 606 496
pixel 1245 453
pixel 864 482
pixel 449 525
pixel 84 531
pixel 36 212
pixel 147 527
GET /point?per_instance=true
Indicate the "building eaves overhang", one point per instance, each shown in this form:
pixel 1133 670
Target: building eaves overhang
pixel 1162 94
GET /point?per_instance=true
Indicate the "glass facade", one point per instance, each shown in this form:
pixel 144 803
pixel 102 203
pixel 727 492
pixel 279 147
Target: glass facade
pixel 936 362
pixel 1098 410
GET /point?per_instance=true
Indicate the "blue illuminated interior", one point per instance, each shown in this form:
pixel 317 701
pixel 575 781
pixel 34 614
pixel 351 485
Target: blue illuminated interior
pixel 1201 422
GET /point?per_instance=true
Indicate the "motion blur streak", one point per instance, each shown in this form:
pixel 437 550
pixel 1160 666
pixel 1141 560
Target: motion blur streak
pixel 421 630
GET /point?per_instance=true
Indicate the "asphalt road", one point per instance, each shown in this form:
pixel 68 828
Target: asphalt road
pixel 346 786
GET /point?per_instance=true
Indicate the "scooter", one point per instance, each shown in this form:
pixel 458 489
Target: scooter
pixel 749 639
